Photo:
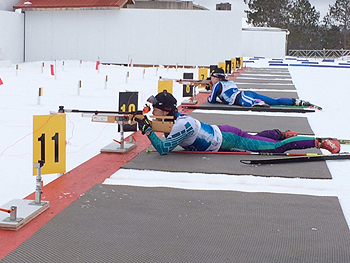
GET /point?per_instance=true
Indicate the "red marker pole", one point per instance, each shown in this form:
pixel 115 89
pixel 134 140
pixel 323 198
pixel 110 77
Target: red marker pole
pixel 98 65
pixel 52 70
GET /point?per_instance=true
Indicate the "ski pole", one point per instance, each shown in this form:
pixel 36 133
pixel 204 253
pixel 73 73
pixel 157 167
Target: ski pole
pixel 239 153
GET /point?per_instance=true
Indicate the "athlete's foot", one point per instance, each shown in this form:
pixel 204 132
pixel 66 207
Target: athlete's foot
pixel 331 145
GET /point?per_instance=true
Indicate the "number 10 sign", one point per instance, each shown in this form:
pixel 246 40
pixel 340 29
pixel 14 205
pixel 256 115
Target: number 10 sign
pixel 49 143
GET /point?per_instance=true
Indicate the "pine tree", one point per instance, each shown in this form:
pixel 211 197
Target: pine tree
pixel 269 13
pixel 298 16
pixel 339 13
pixel 304 26
pixel 331 37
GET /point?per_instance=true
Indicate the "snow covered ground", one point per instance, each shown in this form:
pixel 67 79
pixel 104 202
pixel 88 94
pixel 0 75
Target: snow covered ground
pixel 328 87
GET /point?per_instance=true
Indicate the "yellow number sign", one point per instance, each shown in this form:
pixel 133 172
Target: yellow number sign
pixel 202 73
pixel 165 85
pixel 222 65
pixel 49 143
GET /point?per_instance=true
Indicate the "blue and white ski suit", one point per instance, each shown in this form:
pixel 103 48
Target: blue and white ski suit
pixel 227 92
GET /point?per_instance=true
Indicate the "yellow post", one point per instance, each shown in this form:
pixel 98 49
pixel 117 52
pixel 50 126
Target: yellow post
pixel 222 65
pixel 233 65
pixel 241 62
pixel 202 73
pixel 165 85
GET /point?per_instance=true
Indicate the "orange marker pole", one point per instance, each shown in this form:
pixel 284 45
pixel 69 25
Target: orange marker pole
pixel 41 92
pixel 127 76
pixel 106 81
pixel 79 87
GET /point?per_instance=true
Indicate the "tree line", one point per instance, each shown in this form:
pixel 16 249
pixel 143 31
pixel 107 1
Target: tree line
pixel 307 30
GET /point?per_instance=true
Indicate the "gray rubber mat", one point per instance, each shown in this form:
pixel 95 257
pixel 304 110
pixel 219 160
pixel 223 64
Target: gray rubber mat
pixel 258 86
pixel 254 123
pixel 230 164
pixel 267 70
pixel 226 164
pixel 278 94
pixel 264 76
pixel 112 223
pixel 262 81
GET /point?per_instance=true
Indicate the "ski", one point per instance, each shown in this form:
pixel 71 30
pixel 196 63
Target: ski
pixel 241 108
pixel 344 141
pixel 310 106
pixel 297 159
pixel 236 153
pixel 316 107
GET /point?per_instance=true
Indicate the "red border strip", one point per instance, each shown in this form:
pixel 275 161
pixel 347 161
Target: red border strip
pixel 67 188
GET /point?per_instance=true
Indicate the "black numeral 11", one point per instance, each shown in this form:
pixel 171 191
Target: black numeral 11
pixel 41 139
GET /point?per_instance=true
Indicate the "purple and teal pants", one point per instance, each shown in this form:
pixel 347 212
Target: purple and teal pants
pixel 266 141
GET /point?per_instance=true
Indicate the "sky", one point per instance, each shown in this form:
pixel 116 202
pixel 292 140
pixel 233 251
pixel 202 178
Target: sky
pixel 321 5
pixel 20 102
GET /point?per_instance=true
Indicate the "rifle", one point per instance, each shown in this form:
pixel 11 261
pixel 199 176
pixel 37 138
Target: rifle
pixel 198 82
pixel 158 123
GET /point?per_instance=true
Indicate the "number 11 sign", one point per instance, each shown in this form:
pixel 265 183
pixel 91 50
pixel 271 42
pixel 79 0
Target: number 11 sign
pixel 49 143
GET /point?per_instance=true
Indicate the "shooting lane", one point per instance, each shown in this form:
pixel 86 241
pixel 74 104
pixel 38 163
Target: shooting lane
pixel 123 222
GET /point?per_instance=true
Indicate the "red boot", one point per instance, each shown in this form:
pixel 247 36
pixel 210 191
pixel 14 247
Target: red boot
pixel 329 144
pixel 288 133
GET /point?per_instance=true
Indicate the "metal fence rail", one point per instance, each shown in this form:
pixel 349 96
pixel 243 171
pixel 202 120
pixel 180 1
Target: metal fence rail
pixel 324 53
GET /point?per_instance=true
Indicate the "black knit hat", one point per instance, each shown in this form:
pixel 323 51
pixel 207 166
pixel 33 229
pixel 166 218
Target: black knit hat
pixel 219 73
pixel 164 101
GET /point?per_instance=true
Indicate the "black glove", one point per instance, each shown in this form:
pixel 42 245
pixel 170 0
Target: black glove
pixel 144 124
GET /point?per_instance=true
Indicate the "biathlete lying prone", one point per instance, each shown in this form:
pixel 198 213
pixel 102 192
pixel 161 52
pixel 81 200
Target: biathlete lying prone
pixel 227 92
pixel 193 135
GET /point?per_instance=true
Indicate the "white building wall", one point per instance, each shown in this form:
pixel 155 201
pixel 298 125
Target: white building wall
pixel 7 5
pixel 264 43
pixel 186 37
pixel 11 37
